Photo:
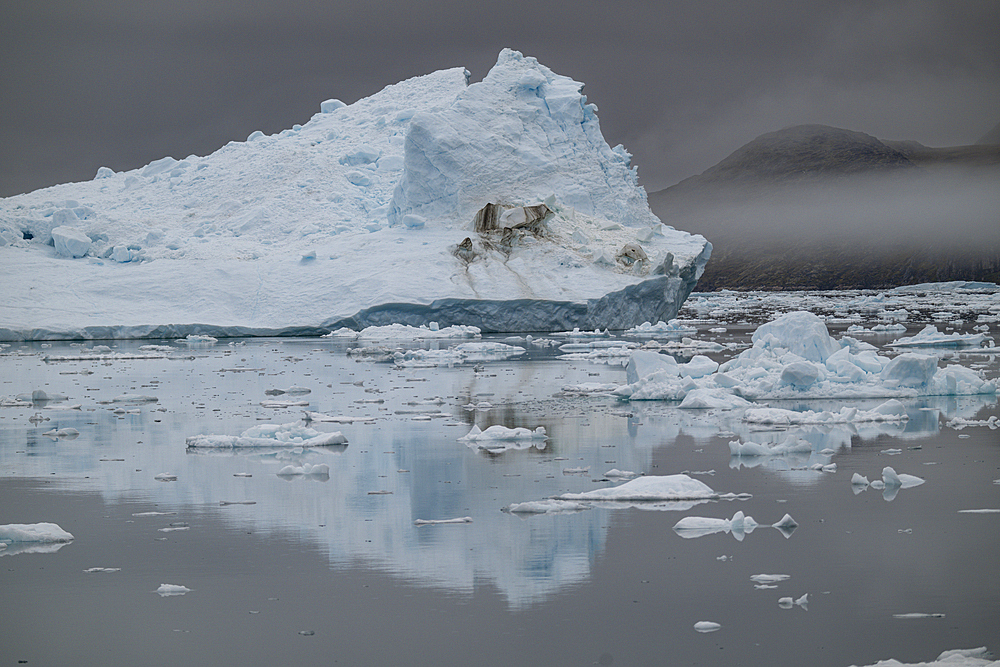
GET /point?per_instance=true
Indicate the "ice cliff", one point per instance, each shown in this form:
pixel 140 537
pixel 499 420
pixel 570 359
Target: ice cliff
pixel 496 204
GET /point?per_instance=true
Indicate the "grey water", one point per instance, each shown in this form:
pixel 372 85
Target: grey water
pixel 332 569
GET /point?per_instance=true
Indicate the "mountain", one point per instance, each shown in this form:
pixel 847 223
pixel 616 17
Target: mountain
pixel 821 207
pixel 496 204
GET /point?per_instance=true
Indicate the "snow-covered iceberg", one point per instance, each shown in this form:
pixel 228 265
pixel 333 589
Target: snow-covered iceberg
pixel 495 204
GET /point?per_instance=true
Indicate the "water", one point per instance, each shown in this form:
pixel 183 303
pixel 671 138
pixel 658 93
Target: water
pixel 333 569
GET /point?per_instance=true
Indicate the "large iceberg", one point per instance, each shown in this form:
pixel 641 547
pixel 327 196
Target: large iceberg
pixel 495 204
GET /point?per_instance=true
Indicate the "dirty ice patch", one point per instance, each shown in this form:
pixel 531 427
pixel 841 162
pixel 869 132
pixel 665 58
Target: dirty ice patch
pixel 269 435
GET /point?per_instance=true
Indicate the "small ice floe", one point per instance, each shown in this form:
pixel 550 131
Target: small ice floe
pixel 154 513
pixel 918 615
pixel 481 406
pixel 134 398
pixel 739 526
pixel 588 389
pixel 165 477
pixel 661 328
pixel 278 403
pixel 576 333
pixel 856 329
pixel 769 578
pixel 318 470
pixel 930 337
pixel 890 484
pixel 334 419
pixel 227 503
pixel 103 569
pixel 498 432
pixel 615 473
pixel 788 602
pixel 706 626
pixel 891 479
pixel 39 396
pixel 649 488
pixel 6 402
pixel 198 340
pixel 859 482
pixel 291 391
pixel 980 511
pixel 407 332
pixel 972 657
pixel 548 506
pixel 439 522
pixel 751 449
pixel 64 433
pixel 34 533
pixel 958 423
pixel 891 410
pixel 167 590
pixel 269 435
pixel 577 471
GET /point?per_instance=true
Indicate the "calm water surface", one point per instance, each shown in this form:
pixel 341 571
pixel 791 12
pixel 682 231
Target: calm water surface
pixel 333 570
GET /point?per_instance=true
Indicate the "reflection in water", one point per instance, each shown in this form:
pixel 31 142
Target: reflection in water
pixel 402 463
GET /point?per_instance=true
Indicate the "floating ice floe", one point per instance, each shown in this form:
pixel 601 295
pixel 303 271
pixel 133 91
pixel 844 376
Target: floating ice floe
pixel 548 506
pixel 768 578
pixel 794 357
pixel 498 432
pixel 165 477
pixel 168 590
pixel 67 433
pixel 890 484
pixel 306 470
pixel 33 532
pixel 439 522
pixel 930 337
pixel 706 626
pixel 973 657
pixel 291 391
pixel 739 526
pixel 269 435
pixel 281 403
pixel 335 419
pixel 751 449
pixel 891 410
pixel 958 423
pixel 661 328
pixel 855 329
pixel 457 354
pixel 788 602
pixel 649 488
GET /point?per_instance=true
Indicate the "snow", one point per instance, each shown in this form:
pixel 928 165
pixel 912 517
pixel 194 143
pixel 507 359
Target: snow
pixel 361 216
pixel 33 532
pixel 649 488
pixel 794 357
pixel 292 434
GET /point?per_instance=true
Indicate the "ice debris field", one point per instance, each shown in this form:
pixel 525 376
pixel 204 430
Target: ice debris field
pixel 496 204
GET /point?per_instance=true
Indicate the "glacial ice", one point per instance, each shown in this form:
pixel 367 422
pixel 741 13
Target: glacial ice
pixel 362 216
pixel 974 657
pixel 33 532
pixel 649 488
pixel 794 357
pixel 293 434
pixel 930 337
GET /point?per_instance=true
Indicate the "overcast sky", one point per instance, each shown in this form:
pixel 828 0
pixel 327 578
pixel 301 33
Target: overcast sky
pixel 90 83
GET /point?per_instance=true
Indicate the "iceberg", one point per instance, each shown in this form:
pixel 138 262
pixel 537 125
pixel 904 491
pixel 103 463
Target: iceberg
pixel 495 204
pixel 649 488
pixel 33 532
pixel 794 357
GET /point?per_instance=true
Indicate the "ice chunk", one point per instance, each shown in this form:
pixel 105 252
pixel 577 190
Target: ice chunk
pixel 498 432
pixel 642 363
pixel 706 626
pixel 167 590
pixel 439 522
pixel 650 487
pixel 313 470
pixel 930 337
pixel 801 333
pixel 549 506
pixel 891 479
pixel 70 242
pixel 33 532
pixel 910 370
pixel 269 435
